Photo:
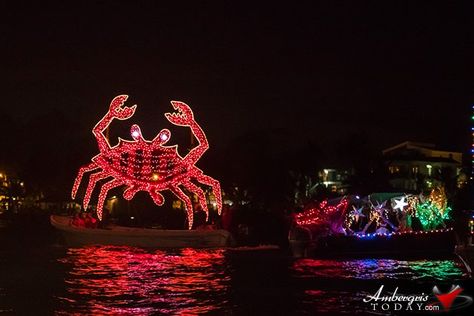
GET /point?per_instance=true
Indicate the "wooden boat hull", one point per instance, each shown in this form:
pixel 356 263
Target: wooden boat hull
pixel 139 237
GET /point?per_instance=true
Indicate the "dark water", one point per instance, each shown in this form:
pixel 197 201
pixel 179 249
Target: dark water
pixel 39 276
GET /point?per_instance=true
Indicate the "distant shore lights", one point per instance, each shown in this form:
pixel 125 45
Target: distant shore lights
pixel 472 146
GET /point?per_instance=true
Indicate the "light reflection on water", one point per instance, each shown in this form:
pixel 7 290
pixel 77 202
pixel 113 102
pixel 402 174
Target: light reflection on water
pixel 381 269
pixel 123 280
pixel 132 281
pixel 40 277
pixel 367 275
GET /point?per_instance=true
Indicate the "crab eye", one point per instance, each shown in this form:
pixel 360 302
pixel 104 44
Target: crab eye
pixel 135 132
pixel 164 136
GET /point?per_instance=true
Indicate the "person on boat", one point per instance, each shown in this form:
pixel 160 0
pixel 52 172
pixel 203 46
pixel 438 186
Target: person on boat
pixel 227 217
pixel 382 228
pixel 78 220
pixel 105 218
pixel 364 230
pixel 199 216
pixel 337 229
pixel 89 221
pixel 404 222
pixel 336 226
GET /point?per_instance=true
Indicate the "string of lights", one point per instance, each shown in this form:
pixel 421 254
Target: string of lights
pixel 419 232
pixel 143 165
pixel 432 212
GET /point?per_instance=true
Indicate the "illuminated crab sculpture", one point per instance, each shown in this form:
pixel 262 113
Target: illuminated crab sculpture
pixel 148 165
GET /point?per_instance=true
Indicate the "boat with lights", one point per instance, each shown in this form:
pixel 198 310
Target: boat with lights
pixel 139 237
pixel 381 224
pixel 146 165
pixel 422 243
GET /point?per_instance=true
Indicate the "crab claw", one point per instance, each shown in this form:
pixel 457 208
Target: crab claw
pixel 184 115
pixel 117 110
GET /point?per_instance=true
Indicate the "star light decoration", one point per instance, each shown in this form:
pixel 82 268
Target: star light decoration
pixel 400 204
pixel 432 211
pixel 354 215
pixel 148 165
pixel 378 211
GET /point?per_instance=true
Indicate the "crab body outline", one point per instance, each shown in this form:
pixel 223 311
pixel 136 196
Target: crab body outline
pixel 159 168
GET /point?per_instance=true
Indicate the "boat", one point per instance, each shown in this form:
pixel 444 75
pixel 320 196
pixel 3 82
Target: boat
pixel 139 237
pixel 399 224
pixel 437 242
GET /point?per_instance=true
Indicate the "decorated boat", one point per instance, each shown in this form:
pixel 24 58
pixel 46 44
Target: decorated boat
pixel 139 237
pixel 381 224
pixel 437 242
pixel 146 165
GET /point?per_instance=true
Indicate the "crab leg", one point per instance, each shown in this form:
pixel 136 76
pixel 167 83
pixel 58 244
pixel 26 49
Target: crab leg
pixel 193 156
pixel 82 170
pixel 90 187
pixel 130 192
pixel 103 194
pixel 116 111
pixel 187 204
pixel 216 189
pixel 201 196
pixel 185 117
pixel 157 197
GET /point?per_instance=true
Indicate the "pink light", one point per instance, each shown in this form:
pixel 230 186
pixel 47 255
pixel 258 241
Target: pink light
pixel 143 165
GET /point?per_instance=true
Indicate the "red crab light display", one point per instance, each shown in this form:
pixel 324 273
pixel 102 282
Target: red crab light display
pixel 321 214
pixel 148 165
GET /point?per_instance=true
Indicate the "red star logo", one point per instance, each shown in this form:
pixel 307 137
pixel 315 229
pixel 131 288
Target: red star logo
pixel 447 299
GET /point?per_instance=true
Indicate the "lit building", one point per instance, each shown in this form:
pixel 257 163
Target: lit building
pixel 12 193
pixel 472 147
pixel 4 188
pixel 417 166
pixel 335 179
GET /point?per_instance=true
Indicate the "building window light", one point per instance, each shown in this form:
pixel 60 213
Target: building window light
pixel 430 167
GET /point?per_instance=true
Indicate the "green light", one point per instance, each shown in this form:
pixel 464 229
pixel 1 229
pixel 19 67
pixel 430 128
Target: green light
pixel 430 216
pixel 436 269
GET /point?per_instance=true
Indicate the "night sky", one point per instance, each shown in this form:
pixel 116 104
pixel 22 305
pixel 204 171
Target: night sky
pixel 282 74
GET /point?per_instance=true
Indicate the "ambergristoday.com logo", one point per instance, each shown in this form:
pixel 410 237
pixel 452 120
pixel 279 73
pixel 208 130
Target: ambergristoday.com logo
pixel 436 302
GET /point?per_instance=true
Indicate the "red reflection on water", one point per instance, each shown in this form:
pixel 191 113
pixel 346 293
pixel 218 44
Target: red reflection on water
pixel 124 280
pixel 314 267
